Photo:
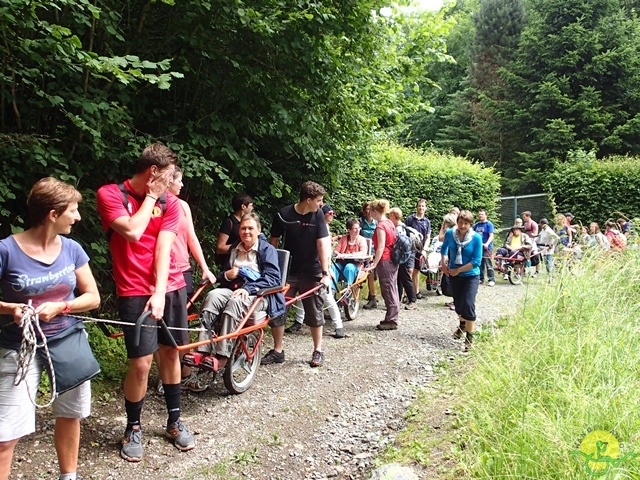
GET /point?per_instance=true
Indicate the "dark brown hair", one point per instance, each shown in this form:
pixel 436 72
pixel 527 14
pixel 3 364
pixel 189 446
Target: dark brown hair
pixel 311 190
pixel 156 154
pixel 50 194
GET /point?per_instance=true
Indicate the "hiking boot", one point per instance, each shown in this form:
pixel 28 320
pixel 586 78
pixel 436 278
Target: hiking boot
pixel 295 326
pixel 272 357
pixel 317 359
pixel 131 449
pixel 192 384
pixel 182 439
pixel 468 342
pixel 339 333
pixel 411 306
pixel 371 304
pixel 457 335
pixel 387 326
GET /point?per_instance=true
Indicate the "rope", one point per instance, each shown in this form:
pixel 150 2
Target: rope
pixel 30 325
pixel 129 324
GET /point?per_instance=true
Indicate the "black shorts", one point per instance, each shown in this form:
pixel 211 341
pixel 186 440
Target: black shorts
pixel 175 315
pixel 188 278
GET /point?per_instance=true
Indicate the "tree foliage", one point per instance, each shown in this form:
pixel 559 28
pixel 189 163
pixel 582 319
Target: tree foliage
pixel 574 83
pixel 431 127
pixel 568 82
pixel 255 97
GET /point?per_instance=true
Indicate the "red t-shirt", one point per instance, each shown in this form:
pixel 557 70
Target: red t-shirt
pixel 133 262
pixel 181 245
pixel 389 228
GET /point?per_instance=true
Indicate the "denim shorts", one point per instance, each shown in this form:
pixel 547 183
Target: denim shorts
pixel 17 413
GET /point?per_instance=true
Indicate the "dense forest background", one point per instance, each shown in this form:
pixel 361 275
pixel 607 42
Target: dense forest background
pixel 260 96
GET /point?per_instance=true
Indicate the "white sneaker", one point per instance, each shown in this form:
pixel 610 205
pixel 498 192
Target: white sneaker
pixel 492 283
pixel 505 276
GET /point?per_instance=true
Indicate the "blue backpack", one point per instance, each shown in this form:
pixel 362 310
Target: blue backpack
pixel 402 249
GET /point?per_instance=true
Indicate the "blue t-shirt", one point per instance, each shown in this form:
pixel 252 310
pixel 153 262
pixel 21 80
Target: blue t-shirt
pixel 471 253
pixel 23 278
pixel 366 228
pixel 484 229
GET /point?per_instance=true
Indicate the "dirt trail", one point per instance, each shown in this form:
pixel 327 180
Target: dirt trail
pixel 295 422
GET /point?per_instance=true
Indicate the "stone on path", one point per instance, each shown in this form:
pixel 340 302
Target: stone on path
pixel 394 471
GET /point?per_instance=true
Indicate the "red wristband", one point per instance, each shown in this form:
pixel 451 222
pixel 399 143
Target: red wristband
pixel 67 308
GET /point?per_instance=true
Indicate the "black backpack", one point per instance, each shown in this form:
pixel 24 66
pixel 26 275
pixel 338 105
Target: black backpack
pixel 125 201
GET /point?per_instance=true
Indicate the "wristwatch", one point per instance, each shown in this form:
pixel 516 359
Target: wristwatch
pixel 325 273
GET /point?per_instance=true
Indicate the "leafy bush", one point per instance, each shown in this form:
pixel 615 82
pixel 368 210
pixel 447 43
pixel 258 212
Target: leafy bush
pixel 403 175
pixel 595 190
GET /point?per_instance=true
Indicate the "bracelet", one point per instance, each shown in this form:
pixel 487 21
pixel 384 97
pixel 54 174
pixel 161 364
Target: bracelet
pixel 151 196
pixel 67 308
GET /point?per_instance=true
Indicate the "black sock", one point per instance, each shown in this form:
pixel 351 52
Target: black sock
pixel 172 398
pixel 462 325
pixel 133 410
pixel 469 337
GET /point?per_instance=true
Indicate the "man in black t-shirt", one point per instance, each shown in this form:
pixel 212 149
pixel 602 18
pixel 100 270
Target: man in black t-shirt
pixel 229 230
pixel 306 236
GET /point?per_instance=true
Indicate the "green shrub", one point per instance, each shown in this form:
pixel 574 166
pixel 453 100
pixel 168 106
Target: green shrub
pixel 595 190
pixel 403 175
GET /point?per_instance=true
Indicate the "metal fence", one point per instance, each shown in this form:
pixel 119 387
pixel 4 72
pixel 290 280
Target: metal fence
pixel 512 207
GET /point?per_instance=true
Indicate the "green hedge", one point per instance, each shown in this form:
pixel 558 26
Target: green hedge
pixel 595 190
pixel 403 175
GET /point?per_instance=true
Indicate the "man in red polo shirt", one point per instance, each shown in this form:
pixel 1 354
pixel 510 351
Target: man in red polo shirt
pixel 142 223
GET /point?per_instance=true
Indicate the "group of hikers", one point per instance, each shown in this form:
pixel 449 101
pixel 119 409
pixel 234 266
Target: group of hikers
pixel 46 280
pixel 535 241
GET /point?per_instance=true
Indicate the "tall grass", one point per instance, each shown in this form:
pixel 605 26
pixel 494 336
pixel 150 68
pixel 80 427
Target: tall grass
pixel 567 364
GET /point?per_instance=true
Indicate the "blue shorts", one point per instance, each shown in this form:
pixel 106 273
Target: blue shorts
pixel 465 290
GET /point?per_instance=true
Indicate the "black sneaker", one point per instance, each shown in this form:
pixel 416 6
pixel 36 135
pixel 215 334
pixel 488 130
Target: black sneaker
pixel 131 449
pixel 295 326
pixel 317 359
pixel 272 357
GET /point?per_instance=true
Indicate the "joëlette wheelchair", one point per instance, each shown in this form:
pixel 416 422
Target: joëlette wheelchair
pixel 242 367
pixel 348 295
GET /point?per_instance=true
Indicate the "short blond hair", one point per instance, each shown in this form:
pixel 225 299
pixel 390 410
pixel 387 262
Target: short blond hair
pixel 381 206
pixel 396 213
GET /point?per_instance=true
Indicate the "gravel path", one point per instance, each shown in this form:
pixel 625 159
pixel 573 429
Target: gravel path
pixel 295 422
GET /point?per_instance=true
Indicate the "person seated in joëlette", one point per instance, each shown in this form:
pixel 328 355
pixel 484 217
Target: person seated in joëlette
pixel 350 246
pixel 517 245
pixel 252 266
